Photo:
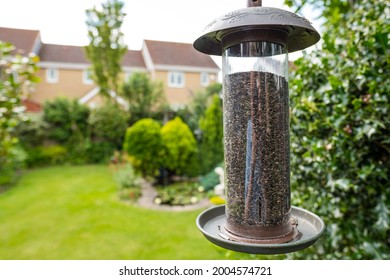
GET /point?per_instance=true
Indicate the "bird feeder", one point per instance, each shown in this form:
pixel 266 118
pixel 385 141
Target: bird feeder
pixel 254 43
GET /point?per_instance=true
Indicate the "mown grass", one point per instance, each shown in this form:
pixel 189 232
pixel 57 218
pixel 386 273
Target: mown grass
pixel 73 212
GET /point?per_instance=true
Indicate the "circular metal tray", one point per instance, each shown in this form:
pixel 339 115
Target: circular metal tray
pixel 211 221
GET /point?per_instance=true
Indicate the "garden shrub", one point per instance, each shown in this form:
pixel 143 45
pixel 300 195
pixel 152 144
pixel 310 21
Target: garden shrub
pixel 99 151
pixel 180 148
pixel 340 134
pixel 32 132
pixel 68 126
pixel 143 143
pixel 15 162
pixel 67 120
pixel 128 182
pixel 211 144
pixel 109 123
pixel 46 155
pixel 62 123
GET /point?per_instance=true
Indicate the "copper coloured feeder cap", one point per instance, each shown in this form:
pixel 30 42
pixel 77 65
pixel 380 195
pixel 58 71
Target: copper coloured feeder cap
pixel 266 23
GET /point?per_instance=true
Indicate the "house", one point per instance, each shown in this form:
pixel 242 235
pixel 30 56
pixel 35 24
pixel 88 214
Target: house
pixel 182 69
pixel 65 70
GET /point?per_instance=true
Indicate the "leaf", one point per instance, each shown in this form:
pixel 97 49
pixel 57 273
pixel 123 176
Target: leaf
pixel 383 213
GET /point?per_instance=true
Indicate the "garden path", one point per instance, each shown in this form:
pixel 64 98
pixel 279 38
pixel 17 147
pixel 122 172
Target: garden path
pixel 149 193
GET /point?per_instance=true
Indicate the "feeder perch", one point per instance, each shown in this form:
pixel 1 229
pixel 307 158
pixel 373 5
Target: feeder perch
pixel 258 217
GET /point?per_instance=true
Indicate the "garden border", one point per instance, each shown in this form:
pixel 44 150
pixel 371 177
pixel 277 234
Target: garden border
pixel 149 193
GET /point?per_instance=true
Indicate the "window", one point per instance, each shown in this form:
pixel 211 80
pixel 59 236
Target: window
pixel 52 75
pixel 204 79
pixel 176 79
pixel 87 77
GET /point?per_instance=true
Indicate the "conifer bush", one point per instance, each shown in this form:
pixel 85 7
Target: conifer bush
pixel 143 143
pixel 180 148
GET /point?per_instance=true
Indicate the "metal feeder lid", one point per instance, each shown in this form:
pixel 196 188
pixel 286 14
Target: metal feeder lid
pixel 300 33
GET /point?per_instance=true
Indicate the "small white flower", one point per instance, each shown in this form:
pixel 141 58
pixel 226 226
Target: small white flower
pixel 200 189
pixel 328 146
pixel 194 199
pixel 157 200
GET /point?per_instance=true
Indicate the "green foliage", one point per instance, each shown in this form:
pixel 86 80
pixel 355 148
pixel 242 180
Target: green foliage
pixel 89 137
pixel 143 143
pixel 209 180
pixel 211 145
pixel 106 48
pixel 180 147
pixel 109 123
pixel 213 89
pixel 63 126
pixel 182 193
pixel 16 161
pixel 17 76
pixel 192 112
pixel 67 120
pixel 340 133
pixel 128 182
pixel 333 11
pixel 46 155
pixel 199 104
pixel 96 152
pixel 143 95
pixel 32 132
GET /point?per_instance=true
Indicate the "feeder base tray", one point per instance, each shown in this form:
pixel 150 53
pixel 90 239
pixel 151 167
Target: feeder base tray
pixel 211 223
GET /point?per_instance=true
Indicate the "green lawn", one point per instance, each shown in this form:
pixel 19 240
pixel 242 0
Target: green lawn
pixel 73 213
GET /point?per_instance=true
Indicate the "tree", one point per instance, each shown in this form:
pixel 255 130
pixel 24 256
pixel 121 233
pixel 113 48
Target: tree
pixel 17 76
pixel 143 95
pixel 340 126
pixel 211 144
pixel 106 48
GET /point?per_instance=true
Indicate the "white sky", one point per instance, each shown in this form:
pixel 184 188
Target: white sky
pixel 63 21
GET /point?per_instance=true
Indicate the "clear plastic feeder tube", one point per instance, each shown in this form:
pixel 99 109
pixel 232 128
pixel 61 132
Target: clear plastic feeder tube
pixel 256 143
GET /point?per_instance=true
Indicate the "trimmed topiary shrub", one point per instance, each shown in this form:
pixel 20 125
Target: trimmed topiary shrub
pixel 180 148
pixel 143 143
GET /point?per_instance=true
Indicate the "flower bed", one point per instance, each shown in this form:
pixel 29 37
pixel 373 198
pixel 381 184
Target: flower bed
pixel 182 193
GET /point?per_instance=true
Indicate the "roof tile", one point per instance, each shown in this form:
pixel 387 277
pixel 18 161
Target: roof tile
pixel 22 39
pixel 172 53
pixel 134 59
pixel 62 53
